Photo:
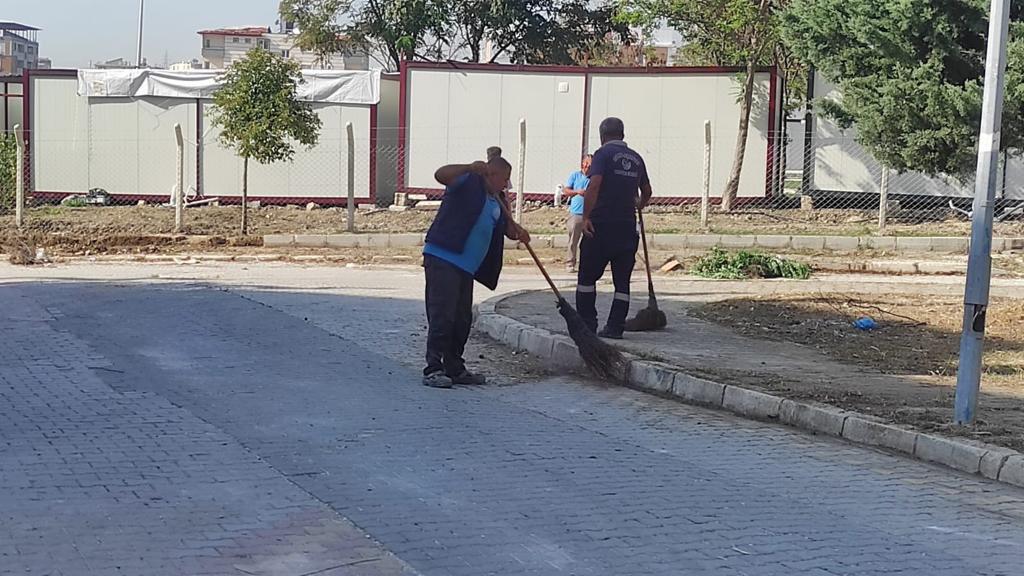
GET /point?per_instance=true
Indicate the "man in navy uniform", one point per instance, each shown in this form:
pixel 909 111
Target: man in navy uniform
pixel 619 185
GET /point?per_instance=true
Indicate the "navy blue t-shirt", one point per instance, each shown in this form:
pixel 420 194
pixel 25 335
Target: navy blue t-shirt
pixel 624 173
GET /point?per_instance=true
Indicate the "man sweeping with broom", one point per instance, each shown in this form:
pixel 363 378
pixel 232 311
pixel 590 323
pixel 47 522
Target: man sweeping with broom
pixel 619 185
pixel 465 243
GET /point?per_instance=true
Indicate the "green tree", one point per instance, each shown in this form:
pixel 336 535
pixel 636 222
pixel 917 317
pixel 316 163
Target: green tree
pixel 319 30
pixel 259 114
pixel 720 32
pixel 534 31
pixel 910 74
pixel 401 29
pixel 526 31
pixel 8 171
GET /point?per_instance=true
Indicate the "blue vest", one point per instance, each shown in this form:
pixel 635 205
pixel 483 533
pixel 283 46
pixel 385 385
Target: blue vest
pixel 460 209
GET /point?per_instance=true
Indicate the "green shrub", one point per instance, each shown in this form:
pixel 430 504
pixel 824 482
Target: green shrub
pixel 739 265
pixel 8 171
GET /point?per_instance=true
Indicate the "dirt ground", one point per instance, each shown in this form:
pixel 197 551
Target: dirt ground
pixel 917 341
pixel 96 227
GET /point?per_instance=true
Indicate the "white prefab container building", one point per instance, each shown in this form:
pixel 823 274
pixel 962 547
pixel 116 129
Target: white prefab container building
pixel 838 164
pixel 451 113
pixel 114 129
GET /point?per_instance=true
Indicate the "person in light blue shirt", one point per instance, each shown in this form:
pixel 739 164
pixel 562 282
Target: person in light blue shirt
pixel 574 189
pixel 463 245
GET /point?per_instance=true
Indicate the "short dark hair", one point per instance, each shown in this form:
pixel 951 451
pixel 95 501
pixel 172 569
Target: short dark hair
pixel 612 128
pixel 500 163
pixel 493 152
pixel 585 156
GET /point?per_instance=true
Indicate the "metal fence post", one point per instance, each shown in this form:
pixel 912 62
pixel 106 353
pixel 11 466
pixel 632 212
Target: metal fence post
pixel 521 180
pixel 19 177
pixel 351 202
pixel 705 193
pixel 179 185
pixel 883 200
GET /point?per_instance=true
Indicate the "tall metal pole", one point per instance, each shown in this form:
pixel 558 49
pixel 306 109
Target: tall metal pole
pixel 142 12
pixel 979 264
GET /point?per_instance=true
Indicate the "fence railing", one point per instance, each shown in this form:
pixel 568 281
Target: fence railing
pixel 831 186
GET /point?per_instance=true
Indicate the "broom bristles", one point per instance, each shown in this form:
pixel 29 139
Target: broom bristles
pixel 649 319
pixel 604 360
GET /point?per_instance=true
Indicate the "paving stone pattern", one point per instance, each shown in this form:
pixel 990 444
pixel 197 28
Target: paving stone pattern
pixel 259 408
pixel 101 481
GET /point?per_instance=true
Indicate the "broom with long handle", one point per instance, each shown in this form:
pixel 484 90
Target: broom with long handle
pixel 604 360
pixel 601 358
pixel 650 318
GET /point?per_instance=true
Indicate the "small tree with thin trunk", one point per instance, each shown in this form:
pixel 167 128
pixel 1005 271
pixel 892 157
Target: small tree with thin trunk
pixel 720 32
pixel 260 116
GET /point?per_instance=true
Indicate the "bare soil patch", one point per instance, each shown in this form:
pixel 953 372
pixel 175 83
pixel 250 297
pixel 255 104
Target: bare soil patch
pixel 917 342
pixel 57 224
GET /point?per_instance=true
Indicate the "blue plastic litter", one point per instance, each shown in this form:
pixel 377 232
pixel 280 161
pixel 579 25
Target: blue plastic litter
pixel 865 323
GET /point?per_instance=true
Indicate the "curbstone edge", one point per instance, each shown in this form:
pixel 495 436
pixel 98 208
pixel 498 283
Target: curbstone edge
pixel 650 376
pixel 873 433
pixel 993 460
pixel 751 403
pixel 818 419
pixel 698 391
pixel 1013 470
pixel 959 455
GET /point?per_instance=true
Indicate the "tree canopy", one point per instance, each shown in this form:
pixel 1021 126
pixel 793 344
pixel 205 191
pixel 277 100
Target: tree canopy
pixel 910 75
pixel 259 114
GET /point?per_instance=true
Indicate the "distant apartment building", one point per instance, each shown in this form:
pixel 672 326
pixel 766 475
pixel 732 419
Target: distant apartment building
pixel 224 46
pixel 186 65
pixel 19 50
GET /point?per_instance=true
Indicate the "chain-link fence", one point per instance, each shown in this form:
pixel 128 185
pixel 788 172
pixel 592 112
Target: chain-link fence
pixel 791 184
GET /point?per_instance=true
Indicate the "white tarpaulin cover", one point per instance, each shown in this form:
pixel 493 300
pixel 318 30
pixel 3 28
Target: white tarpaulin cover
pixel 326 86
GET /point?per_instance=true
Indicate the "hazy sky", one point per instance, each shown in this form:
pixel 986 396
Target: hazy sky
pixel 77 32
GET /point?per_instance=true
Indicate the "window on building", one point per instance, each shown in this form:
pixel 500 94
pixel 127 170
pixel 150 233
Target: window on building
pixel 206 43
pixel 234 40
pixel 248 40
pixel 286 53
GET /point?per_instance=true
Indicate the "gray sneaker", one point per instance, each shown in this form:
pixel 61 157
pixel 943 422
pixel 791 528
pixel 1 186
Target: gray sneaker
pixel 467 378
pixel 437 380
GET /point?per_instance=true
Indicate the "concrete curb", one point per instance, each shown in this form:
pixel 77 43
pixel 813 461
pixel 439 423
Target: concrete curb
pixel 900 244
pixel 992 462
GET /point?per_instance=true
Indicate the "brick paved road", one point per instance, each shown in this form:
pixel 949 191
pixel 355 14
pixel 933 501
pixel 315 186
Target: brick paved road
pixel 240 418
pixel 95 480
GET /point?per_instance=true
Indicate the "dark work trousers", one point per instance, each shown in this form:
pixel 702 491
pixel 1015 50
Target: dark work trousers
pixel 449 315
pixel 613 243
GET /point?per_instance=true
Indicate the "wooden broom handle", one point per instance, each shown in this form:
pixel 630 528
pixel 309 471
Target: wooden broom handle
pixel 647 259
pixel 543 271
pixel 536 260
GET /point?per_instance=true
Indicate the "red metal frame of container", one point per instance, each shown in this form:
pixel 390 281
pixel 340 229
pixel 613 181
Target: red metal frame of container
pixel 586 72
pixel 50 195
